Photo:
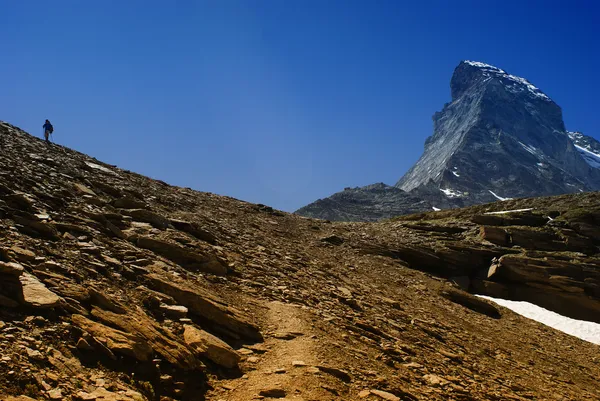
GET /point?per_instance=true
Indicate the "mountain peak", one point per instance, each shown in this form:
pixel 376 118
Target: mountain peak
pixel 469 73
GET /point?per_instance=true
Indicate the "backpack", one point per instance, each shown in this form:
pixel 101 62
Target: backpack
pixel 50 129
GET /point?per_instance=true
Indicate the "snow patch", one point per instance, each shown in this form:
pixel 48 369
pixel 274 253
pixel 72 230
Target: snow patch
pixel 593 159
pixel 515 84
pixel 498 197
pixel 450 193
pixel 435 209
pixel 588 331
pixel 510 211
pixel 530 149
pixel 456 174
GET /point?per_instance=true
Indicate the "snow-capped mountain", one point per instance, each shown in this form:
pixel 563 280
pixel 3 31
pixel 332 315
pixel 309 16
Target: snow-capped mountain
pixel 499 137
pixel 588 147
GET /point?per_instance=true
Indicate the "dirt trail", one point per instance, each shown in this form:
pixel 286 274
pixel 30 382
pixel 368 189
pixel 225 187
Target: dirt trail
pixel 288 363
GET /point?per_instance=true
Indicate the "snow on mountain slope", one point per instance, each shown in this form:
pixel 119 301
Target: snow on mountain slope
pixel 588 147
pixel 588 331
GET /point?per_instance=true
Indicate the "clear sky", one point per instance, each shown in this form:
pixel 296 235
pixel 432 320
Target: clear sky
pixel 278 102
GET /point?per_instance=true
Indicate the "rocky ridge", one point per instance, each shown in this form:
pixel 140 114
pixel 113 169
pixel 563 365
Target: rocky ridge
pixel 114 286
pixel 499 137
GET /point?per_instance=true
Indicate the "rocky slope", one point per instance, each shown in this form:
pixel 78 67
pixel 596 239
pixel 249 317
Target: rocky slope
pixel 500 137
pixel 369 203
pixel 114 286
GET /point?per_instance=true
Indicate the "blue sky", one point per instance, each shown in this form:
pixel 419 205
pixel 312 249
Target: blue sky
pixel 278 102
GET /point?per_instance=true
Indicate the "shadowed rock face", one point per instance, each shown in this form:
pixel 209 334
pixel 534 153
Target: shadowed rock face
pixel 499 137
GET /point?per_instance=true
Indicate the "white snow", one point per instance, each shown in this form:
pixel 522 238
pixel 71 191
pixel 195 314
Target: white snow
pixel 456 174
pixel 588 331
pixel 99 167
pixel 499 197
pixel 515 84
pixel 593 159
pixel 435 209
pixel 530 149
pixel 510 211
pixel 483 65
pixel 450 193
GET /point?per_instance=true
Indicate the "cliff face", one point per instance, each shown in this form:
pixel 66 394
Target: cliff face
pixel 500 137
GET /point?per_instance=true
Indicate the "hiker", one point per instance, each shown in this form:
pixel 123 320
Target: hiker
pixel 48 129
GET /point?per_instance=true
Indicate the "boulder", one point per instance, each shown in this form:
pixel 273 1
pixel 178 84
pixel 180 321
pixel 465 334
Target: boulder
pixel 215 349
pixel 35 228
pixel 148 216
pixel 194 230
pixel 201 303
pixel 495 235
pixel 115 340
pixel 11 268
pixel 471 302
pixel 186 258
pixel 22 255
pixel 35 294
pixel 160 339
pixel 82 189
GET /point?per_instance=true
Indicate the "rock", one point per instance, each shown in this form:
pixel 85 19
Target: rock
pixel 213 348
pixel 333 240
pixel 82 189
pixel 385 395
pixel 340 374
pixel 470 301
pixel 559 285
pixel 159 339
pixel 129 203
pixel 511 219
pixel 174 311
pixel 205 305
pixel 434 380
pixel 36 228
pixel 273 392
pixel 20 201
pixel 148 216
pixel 195 230
pixel 188 259
pixel 34 354
pixel 463 282
pixel 22 255
pixel 55 394
pixel 11 268
pixel 115 340
pixel 495 235
pixel 102 394
pixel 99 299
pixel 286 335
pixel 35 294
